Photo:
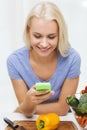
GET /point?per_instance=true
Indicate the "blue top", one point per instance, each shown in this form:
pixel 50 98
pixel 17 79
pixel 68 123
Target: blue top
pixel 19 67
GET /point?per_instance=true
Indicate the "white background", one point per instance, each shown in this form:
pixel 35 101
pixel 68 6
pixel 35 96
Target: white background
pixel 12 19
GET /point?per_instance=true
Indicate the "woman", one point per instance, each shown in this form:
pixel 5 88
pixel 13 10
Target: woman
pixel 48 57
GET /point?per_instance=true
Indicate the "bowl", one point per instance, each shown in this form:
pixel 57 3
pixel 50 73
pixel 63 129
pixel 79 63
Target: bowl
pixel 78 106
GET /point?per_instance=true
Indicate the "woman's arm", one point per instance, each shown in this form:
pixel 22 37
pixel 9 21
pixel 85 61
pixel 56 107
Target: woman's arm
pixel 61 108
pixel 29 102
pixel 28 99
pixel 25 104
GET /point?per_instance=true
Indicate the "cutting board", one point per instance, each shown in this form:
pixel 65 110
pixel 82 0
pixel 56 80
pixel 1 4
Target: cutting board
pixel 30 125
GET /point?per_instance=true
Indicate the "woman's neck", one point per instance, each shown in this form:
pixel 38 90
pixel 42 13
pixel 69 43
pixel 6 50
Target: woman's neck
pixel 43 60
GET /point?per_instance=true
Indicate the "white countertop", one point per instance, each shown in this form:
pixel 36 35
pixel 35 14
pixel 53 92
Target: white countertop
pixel 19 116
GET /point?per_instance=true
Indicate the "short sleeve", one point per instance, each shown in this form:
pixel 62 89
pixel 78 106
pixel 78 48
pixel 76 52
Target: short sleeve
pixel 13 68
pixel 74 69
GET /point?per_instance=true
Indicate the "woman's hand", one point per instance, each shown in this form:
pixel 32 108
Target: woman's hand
pixel 37 97
pixel 32 99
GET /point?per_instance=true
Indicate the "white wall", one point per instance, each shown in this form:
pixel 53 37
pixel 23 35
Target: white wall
pixel 12 19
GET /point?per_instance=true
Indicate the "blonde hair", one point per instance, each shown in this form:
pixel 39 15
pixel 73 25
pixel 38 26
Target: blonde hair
pixel 48 10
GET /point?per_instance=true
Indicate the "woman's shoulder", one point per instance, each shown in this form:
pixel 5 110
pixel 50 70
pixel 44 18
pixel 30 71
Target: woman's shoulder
pixel 74 54
pixel 18 54
pixel 21 51
pixel 72 58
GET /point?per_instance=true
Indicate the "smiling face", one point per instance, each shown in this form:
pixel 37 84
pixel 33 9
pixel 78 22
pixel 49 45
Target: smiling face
pixel 43 36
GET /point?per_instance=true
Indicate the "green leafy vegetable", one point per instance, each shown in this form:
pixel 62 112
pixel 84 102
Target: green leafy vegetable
pixel 83 98
pixel 79 105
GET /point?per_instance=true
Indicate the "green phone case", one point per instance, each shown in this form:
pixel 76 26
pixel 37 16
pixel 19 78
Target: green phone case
pixel 43 86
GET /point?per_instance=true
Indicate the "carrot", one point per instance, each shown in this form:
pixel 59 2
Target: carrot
pixel 82 120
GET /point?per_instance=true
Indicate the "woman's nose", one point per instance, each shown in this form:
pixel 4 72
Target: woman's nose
pixel 44 42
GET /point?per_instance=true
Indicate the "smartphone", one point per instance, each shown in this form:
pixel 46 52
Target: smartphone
pixel 42 86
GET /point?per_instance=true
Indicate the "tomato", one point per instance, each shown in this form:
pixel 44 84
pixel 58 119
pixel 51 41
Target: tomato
pixel 83 91
pixel 86 88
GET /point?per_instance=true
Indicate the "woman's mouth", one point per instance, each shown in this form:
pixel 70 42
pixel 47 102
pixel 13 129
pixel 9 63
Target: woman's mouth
pixel 44 49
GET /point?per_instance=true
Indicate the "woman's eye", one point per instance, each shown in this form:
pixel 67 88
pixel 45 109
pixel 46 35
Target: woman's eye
pixel 51 37
pixel 37 36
